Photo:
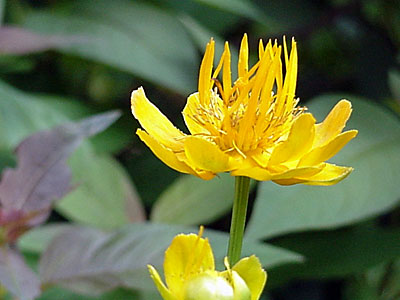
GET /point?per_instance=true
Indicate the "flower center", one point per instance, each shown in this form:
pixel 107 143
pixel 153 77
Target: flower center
pixel 233 130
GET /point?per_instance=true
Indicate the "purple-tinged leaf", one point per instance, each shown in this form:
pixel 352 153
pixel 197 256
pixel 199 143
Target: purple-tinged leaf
pixel 42 175
pixel 14 223
pixel 16 276
pixel 82 260
pixel 14 40
pixel 91 261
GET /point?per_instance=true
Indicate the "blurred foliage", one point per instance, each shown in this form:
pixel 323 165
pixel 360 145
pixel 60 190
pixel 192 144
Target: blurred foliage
pixel 338 242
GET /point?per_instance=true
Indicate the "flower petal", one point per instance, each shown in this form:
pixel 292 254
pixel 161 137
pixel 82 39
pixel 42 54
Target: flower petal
pixel 243 63
pixel 298 172
pixel 251 271
pixel 260 158
pixel 189 115
pixel 165 293
pixel 187 256
pixel 204 155
pixel 205 81
pixel 330 175
pixel 262 174
pixel 256 173
pixel 298 143
pixel 167 156
pixel 154 122
pixel 327 151
pixel 333 123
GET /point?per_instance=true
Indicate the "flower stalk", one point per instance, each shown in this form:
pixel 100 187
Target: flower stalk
pixel 239 212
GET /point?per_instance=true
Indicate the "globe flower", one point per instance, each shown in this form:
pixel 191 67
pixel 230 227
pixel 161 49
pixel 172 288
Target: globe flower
pixel 190 273
pixel 251 128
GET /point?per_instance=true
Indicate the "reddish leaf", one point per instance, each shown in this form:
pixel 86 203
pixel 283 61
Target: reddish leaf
pixel 14 40
pixel 42 175
pixel 16 276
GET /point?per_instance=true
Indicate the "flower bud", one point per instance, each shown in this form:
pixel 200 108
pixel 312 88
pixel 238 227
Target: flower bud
pixel 212 286
pixel 190 273
pixel 208 286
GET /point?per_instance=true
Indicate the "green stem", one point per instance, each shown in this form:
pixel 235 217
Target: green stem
pixel 242 185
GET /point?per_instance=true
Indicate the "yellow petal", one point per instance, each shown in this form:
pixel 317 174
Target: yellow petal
pixel 298 143
pixel 240 289
pixel 261 158
pixel 165 293
pixel 327 151
pixel 333 123
pixel 296 175
pixel 189 115
pixel 243 63
pixel 226 75
pixel 289 181
pixel 205 82
pixel 298 172
pixel 187 256
pixel 154 122
pixel 330 175
pixel 251 271
pixel 165 155
pixel 256 173
pixel 204 155
pixel 205 175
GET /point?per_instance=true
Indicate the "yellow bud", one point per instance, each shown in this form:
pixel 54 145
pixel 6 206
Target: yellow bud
pixel 241 290
pixel 208 286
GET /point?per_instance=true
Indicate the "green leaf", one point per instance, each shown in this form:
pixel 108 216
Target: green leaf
pixel 238 7
pixel 286 16
pixel 22 114
pixel 394 84
pixel 192 201
pixel 116 137
pixel 369 191
pixel 378 283
pixel 104 196
pixel 91 261
pixel 359 289
pixel 2 5
pixel 7 159
pixel 152 170
pixel 217 20
pixel 15 64
pixel 201 37
pixel 113 33
pixel 337 254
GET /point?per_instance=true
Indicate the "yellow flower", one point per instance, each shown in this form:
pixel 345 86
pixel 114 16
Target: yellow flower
pixel 252 128
pixel 190 273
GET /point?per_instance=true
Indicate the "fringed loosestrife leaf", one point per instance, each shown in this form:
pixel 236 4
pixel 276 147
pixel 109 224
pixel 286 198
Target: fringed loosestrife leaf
pixel 14 40
pixel 42 175
pixel 91 261
pixel 16 276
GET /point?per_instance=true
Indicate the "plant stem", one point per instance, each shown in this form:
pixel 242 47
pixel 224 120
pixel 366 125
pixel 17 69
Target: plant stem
pixel 239 210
